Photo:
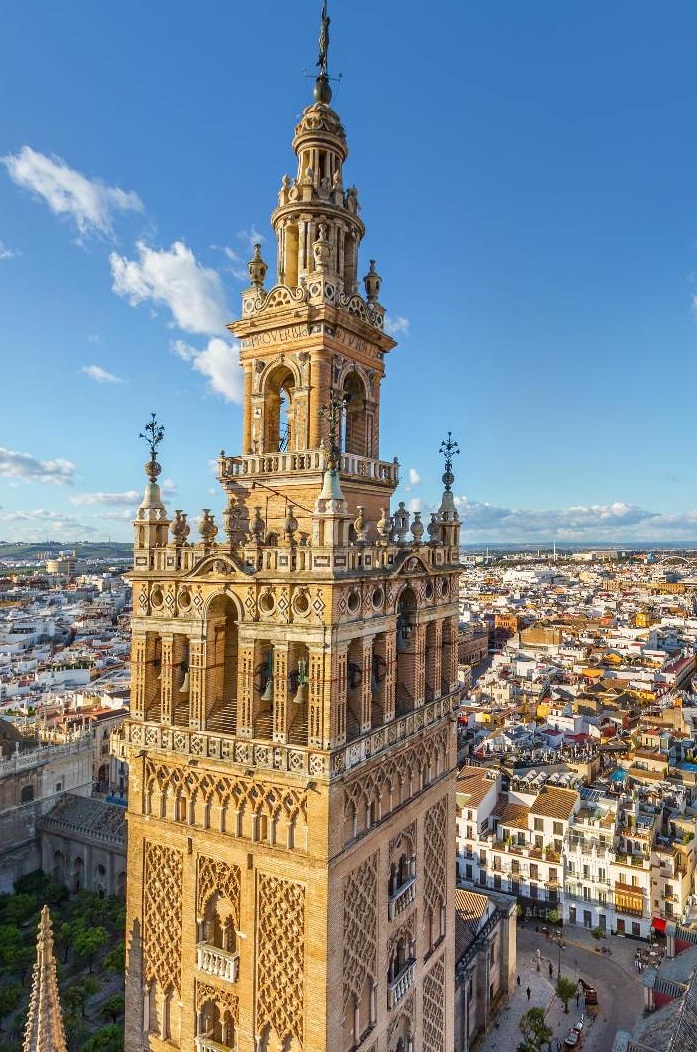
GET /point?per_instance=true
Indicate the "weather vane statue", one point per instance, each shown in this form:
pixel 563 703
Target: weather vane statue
pixel 324 41
pixel 449 448
pixel 153 433
pixel 333 413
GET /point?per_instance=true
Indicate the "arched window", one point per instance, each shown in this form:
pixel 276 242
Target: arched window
pixel 279 411
pixel 354 415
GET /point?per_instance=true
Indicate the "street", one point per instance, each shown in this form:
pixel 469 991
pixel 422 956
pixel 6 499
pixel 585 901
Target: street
pixel 619 987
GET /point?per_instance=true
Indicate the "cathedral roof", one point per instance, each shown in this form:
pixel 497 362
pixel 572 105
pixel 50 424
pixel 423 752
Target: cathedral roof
pixel 91 818
pixel 44 1030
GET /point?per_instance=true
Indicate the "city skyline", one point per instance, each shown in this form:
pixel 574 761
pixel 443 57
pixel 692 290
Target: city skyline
pixel 546 210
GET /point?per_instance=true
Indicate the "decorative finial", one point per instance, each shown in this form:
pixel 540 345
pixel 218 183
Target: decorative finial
pixel 152 433
pixel 332 413
pixel 449 448
pixel 257 268
pixel 372 282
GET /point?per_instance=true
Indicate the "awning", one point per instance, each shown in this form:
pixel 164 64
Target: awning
pixel 658 924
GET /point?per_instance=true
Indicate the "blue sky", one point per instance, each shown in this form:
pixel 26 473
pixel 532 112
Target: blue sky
pixel 527 179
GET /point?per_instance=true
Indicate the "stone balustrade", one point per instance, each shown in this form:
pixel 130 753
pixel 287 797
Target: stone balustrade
pixel 214 961
pixel 401 898
pixel 400 986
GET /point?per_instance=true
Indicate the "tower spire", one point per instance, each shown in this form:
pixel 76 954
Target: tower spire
pixel 44 1031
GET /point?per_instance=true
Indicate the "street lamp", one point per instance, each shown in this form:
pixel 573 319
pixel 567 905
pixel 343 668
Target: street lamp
pixel 560 947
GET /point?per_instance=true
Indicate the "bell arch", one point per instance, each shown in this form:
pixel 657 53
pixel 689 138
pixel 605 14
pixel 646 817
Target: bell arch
pixel 279 423
pixel 355 430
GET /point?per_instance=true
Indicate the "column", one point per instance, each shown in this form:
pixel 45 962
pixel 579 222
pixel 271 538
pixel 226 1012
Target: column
pixel 366 682
pixel 388 687
pixel 245 688
pixel 166 703
pixel 419 650
pixel 437 657
pixel 335 718
pixel 316 694
pixel 197 683
pixel 247 403
pixel 281 652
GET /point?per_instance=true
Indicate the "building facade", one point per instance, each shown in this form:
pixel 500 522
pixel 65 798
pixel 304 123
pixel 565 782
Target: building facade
pixel 291 741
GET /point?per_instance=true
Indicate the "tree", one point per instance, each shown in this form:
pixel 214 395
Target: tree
pixel 534 1029
pixel 113 1007
pixel 79 994
pixel 115 960
pixel 88 942
pixel 566 989
pixel 108 1039
pixel 10 996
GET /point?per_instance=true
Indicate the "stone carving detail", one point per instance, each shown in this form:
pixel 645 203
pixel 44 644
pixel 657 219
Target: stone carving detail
pixel 435 859
pixel 162 917
pixel 360 927
pixel 404 840
pixel 406 1013
pixel 397 780
pixel 434 1009
pixel 223 791
pixel 215 876
pixel 281 959
pixel 224 999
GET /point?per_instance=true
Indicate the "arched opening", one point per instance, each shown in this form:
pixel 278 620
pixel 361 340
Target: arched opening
pixel 378 681
pixel 221 666
pixel 264 691
pixel 153 677
pixel 431 661
pixel 58 871
pixel 406 652
pixel 354 415
pixel 220 923
pixel 78 874
pixel 180 681
pixel 279 411
pixel 103 778
pixel 26 794
pixel 298 694
pixel 290 262
pixel 446 661
pixel 350 263
pixel 354 689
pixel 121 885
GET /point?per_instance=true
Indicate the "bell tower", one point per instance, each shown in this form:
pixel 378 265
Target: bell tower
pixel 291 739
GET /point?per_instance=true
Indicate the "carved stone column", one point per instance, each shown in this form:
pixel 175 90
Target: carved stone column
pixel 366 683
pixel 280 691
pixel 316 694
pixel 419 645
pixel 197 683
pixel 245 688
pixel 166 702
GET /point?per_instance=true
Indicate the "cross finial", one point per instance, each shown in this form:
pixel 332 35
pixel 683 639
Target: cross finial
pixel 449 449
pixel 332 413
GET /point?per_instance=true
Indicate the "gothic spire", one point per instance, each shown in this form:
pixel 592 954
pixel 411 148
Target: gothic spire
pixel 44 1031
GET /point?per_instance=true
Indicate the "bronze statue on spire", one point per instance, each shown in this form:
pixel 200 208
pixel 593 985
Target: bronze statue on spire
pixel 324 41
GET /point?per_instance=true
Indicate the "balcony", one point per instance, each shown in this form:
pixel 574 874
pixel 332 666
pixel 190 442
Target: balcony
pixel 206 1044
pixel 221 963
pixel 397 989
pixel 401 898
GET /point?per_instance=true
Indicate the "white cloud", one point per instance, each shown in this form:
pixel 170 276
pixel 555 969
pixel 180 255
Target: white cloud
pixel 168 487
pixel 172 278
pixel 250 237
pixel 218 363
pixel 33 525
pixel 129 498
pixel 395 326
pixel 95 372
pixel 414 477
pixel 90 203
pixel 616 522
pixel 5 252
pixel 24 466
pixel 94 337
pixel 236 264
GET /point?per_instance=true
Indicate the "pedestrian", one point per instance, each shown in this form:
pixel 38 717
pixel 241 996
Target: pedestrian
pixel 518 980
pixel 551 970
pixel 528 993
